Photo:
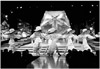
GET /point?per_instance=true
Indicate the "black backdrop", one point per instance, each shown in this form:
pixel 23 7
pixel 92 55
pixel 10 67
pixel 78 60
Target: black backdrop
pixel 33 11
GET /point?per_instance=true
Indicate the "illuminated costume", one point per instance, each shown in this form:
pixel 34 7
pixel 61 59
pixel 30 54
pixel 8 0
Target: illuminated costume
pixel 11 41
pixel 36 46
pixel 52 45
pixel 84 37
pixel 71 39
pixel 36 40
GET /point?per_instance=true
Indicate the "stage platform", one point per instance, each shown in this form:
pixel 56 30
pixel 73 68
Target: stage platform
pixel 44 47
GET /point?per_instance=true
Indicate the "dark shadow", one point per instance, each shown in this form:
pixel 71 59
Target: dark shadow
pixel 15 60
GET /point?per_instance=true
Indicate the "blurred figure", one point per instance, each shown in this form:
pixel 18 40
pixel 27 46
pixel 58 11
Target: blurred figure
pixel 35 34
pixel 71 39
pixel 37 40
pixel 4 31
pixel 11 41
pixel 83 38
pixel 52 43
pixel 52 46
pixel 37 46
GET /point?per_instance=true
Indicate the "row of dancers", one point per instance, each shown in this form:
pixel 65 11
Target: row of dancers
pixel 53 40
pixel 70 39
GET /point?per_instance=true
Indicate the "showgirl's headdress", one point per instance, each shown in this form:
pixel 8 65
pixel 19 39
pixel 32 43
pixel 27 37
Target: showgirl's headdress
pixel 37 28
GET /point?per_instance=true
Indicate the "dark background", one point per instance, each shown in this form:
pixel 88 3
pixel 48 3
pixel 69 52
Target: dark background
pixel 33 11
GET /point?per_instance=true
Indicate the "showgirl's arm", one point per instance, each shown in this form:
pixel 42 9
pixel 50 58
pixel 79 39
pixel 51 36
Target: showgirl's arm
pixel 90 37
pixel 96 47
pixel 33 35
pixel 98 36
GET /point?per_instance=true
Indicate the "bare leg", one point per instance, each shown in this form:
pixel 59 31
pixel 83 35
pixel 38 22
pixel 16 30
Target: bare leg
pixel 37 49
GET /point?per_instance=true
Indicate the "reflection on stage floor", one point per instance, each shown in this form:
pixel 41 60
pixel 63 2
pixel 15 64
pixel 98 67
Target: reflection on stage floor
pixel 49 62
